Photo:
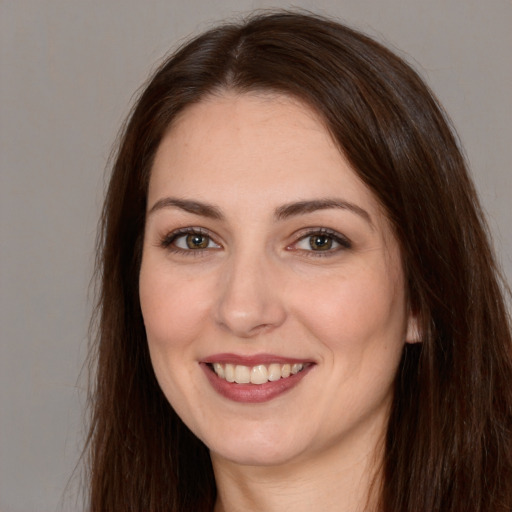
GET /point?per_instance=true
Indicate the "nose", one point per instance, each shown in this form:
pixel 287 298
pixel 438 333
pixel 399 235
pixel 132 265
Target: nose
pixel 250 300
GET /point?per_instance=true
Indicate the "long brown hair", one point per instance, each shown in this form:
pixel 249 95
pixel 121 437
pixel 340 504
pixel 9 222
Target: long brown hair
pixel 449 440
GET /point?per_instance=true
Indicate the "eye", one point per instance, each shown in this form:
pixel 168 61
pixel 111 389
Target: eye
pixel 318 243
pixel 186 240
pixel 322 241
pixel 192 241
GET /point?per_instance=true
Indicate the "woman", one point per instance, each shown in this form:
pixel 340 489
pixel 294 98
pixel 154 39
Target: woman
pixel 299 304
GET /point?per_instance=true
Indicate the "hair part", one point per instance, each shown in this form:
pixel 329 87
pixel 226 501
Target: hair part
pixel 449 442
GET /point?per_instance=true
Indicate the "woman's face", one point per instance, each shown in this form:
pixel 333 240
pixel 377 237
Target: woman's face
pixel 271 284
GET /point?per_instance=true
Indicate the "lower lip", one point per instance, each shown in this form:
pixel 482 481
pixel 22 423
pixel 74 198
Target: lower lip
pixel 253 393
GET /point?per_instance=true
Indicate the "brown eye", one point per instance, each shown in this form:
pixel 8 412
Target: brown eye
pixel 197 241
pixel 189 240
pixel 320 242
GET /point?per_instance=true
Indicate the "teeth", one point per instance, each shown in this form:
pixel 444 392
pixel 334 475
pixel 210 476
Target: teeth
pixel 219 370
pixel 242 374
pixel 229 373
pixel 274 372
pixel 259 374
pixel 296 368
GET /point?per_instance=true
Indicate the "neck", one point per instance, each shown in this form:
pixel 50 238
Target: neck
pixel 330 481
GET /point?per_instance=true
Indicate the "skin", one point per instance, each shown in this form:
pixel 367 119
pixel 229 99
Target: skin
pixel 259 287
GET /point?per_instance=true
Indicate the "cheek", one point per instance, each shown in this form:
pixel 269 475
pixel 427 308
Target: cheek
pixel 361 325
pixel 174 314
pixel 173 306
pixel 353 312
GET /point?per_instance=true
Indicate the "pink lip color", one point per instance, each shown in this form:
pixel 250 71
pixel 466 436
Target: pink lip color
pixel 254 393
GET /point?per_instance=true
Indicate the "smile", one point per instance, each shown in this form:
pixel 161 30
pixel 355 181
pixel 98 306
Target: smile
pixel 258 374
pixel 254 379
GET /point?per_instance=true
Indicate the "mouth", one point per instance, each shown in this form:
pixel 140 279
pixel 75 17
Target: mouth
pixel 254 379
pixel 258 374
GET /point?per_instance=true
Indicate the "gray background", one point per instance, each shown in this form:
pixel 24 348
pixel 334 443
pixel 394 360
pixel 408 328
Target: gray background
pixel 68 73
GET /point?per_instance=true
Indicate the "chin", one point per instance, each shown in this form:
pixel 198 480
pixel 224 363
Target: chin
pixel 259 448
pixel 256 456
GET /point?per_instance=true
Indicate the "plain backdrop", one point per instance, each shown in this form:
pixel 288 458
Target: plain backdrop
pixel 69 70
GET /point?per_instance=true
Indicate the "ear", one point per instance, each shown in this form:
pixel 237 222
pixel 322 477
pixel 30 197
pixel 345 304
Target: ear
pixel 413 334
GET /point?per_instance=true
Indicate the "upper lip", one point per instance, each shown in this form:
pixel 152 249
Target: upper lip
pixel 252 360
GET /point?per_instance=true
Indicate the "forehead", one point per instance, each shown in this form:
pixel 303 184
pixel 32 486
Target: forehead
pixel 233 123
pixel 253 150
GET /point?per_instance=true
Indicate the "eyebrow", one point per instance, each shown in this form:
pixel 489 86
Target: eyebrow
pixel 281 213
pixel 195 207
pixel 303 207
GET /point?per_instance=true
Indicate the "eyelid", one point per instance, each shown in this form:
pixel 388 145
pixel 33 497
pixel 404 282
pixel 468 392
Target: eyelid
pixel 167 240
pixel 342 240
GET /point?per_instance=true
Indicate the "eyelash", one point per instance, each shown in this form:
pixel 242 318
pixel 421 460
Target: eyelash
pixel 167 242
pixel 344 243
pixel 169 239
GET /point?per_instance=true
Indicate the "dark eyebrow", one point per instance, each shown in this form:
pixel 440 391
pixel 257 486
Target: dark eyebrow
pixel 195 207
pixel 303 207
pixel 283 212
